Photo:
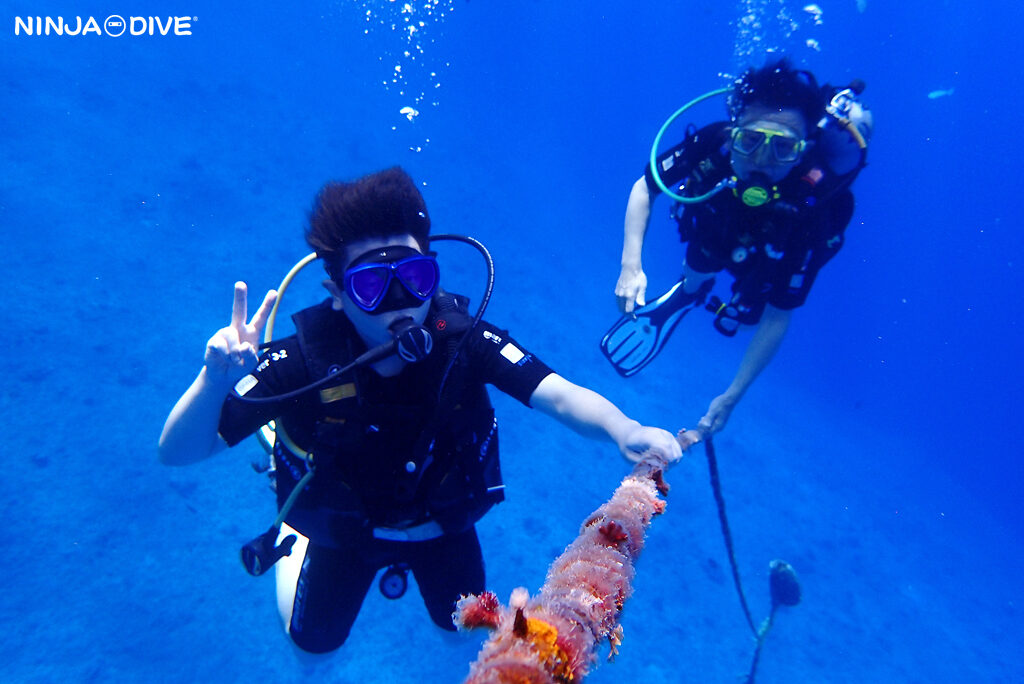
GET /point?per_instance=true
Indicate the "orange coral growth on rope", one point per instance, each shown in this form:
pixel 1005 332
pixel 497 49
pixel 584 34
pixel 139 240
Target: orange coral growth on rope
pixel 552 638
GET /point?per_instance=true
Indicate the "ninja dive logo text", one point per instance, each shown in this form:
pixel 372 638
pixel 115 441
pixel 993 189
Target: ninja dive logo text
pixel 114 26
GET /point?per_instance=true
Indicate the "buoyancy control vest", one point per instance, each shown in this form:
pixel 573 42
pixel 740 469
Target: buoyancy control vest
pixel 389 452
pixel 725 221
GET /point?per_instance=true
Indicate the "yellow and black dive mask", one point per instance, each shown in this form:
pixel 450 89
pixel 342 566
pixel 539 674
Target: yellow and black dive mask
pixel 785 149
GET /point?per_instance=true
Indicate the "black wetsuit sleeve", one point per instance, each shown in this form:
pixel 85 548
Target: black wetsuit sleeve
pixel 826 239
pixel 279 369
pixel 672 169
pixel 499 360
pixel 676 164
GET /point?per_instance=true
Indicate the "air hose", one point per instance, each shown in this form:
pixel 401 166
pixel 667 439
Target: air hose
pixel 724 183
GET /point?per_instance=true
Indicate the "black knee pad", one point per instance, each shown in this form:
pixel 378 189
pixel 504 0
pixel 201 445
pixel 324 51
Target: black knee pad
pixel 319 641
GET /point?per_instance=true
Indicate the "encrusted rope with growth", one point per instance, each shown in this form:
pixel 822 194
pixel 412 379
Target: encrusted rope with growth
pixel 553 637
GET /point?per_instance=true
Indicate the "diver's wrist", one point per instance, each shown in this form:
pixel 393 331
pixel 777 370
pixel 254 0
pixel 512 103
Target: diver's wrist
pixel 631 267
pixel 732 395
pixel 623 431
pixel 215 381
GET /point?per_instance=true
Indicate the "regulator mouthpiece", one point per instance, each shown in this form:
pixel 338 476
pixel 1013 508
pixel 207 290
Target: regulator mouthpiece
pixel 413 342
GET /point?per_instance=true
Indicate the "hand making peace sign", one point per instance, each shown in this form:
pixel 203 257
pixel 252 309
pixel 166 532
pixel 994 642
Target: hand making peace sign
pixel 231 352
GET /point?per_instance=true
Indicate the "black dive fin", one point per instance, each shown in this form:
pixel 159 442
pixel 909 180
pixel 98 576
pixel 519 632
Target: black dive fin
pixel 637 337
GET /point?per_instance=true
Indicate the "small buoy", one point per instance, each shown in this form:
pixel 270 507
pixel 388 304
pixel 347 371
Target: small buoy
pixel 783 584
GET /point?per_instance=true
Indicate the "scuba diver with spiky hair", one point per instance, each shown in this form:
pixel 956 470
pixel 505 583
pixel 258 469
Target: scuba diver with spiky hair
pixel 385 450
pixel 764 196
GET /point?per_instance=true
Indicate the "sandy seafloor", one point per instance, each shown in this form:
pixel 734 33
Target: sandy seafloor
pixel 141 178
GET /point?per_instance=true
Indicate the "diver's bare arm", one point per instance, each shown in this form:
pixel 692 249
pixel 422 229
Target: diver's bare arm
pixel 190 433
pixel 632 284
pixel 762 348
pixel 580 409
pixel 638 215
pixel 591 415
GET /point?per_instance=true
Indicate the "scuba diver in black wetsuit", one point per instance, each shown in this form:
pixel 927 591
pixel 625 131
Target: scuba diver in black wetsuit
pixel 765 196
pixel 386 449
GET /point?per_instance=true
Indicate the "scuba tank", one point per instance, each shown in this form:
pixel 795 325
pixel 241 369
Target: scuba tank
pixel 844 132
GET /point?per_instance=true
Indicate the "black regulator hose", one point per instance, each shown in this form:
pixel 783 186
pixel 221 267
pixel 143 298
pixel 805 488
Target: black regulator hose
pixel 484 300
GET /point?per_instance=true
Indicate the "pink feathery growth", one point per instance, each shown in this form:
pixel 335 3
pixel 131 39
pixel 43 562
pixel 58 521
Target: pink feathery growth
pixel 553 637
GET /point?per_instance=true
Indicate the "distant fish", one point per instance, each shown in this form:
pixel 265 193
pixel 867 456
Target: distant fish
pixel 936 94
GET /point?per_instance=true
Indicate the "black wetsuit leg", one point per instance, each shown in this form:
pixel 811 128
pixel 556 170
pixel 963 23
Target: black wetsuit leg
pixel 334 581
pixel 446 568
pixel 330 591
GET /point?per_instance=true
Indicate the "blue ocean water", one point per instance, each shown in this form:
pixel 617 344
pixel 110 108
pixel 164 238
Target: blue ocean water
pixel 143 175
